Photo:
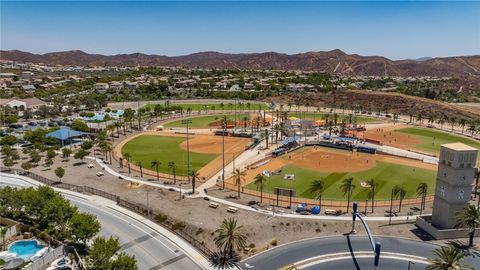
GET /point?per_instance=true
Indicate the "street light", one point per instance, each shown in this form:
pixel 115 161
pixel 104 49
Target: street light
pixel 187 122
pixel 410 263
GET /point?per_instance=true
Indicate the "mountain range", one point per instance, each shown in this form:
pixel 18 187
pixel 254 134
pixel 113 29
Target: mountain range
pixel 333 62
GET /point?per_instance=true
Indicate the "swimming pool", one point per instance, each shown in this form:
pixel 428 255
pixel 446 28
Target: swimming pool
pixel 25 248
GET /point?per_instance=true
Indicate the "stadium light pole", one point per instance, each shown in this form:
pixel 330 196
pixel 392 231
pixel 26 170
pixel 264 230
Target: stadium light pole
pixel 224 126
pixel 187 122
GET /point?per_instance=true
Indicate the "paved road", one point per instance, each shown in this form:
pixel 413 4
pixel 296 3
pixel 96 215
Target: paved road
pixel 297 251
pixel 152 250
pixel 366 263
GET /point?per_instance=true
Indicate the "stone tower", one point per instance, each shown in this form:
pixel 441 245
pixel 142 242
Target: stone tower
pixel 456 167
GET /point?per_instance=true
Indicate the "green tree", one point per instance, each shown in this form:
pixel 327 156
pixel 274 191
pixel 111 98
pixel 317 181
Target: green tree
pixel 26 166
pixel 9 139
pixel 224 260
pixel 124 261
pixel 155 163
pixel 399 192
pixel 51 153
pixel 316 188
pixel 347 188
pixel 173 167
pixel 3 232
pixel 79 125
pixel 66 152
pixel 87 145
pixel 60 172
pixel 48 162
pixel 371 192
pixel 469 218
pixel 230 236
pixel 81 154
pixel 8 162
pixel 83 227
pixel 6 150
pixel 35 156
pixel 447 258
pixel 239 178
pixel 260 180
pixel 422 190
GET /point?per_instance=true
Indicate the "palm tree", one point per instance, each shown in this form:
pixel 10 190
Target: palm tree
pixel 194 174
pixel 422 189
pixel 347 188
pixel 447 258
pixel 171 165
pixel 260 180
pixel 469 218
pixel 230 237
pixel 399 192
pixel 139 164
pixel 265 136
pixel 453 120
pixel 224 260
pixel 108 148
pixel 371 193
pixel 462 123
pixel 155 163
pixel 127 156
pixel 317 187
pixel 3 232
pixel 239 177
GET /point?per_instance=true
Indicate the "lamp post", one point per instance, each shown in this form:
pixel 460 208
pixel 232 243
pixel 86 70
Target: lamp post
pixel 224 129
pixel 180 191
pixel 410 263
pixel 187 122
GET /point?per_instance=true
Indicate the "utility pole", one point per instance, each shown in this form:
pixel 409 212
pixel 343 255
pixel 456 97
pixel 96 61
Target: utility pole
pixel 148 205
pixel 224 129
pixel 186 122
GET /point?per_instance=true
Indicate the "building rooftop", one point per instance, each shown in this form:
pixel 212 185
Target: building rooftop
pixel 459 147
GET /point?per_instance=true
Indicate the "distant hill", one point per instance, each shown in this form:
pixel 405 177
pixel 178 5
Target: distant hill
pixel 466 68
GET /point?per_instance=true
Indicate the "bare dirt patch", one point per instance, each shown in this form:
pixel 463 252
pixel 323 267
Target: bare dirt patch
pixel 388 136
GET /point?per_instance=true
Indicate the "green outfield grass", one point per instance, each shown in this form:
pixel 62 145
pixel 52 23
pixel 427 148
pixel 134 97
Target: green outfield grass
pixel 216 106
pixel 146 148
pixel 321 116
pixel 432 139
pixel 386 174
pixel 203 121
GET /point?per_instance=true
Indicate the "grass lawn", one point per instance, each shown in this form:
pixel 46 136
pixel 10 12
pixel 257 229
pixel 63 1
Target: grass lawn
pixel 216 106
pixel 310 116
pixel 146 148
pixel 432 139
pixel 203 121
pixel 386 174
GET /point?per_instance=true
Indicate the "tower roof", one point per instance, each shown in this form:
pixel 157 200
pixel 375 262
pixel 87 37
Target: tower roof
pixel 459 147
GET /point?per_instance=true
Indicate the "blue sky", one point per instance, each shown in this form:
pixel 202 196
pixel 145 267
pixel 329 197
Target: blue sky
pixel 397 30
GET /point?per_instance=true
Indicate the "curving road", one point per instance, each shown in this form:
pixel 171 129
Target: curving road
pixel 151 249
pixel 295 252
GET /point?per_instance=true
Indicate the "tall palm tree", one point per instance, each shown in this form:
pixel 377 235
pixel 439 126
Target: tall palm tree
pixel 452 121
pixel 260 180
pixel 155 163
pixel 317 187
pixel 265 136
pixel 422 189
pixel 239 178
pixel 447 258
pixel 108 148
pixel 171 165
pixel 347 188
pixel 399 192
pixel 139 164
pixel 462 123
pixel 127 156
pixel 194 174
pixel 224 260
pixel 371 193
pixel 230 237
pixel 469 218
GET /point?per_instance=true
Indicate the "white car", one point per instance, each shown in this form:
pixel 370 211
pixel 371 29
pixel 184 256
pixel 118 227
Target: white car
pixel 100 174
pixel 90 166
